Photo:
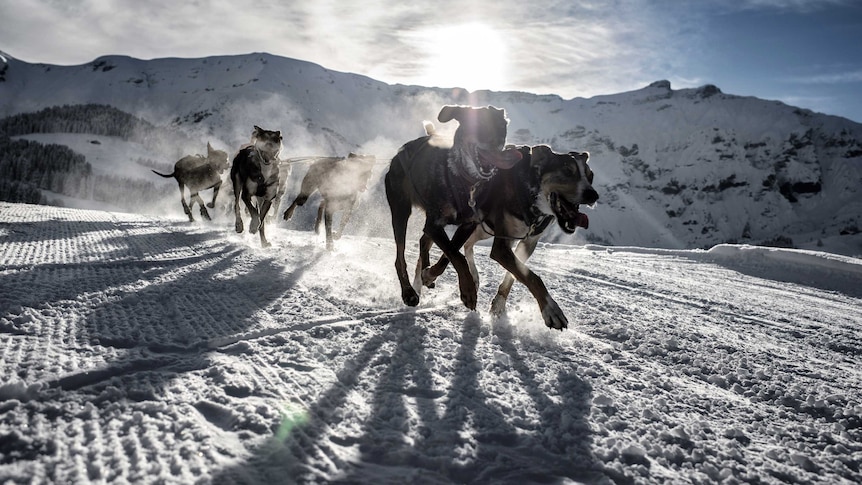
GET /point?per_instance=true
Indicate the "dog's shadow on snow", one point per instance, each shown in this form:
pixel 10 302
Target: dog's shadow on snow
pixel 419 427
pixel 163 317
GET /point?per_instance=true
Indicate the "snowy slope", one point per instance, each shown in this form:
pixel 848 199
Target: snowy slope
pixel 143 349
pixel 685 168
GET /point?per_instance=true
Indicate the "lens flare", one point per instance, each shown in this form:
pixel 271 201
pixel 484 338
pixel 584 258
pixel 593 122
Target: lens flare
pixel 291 417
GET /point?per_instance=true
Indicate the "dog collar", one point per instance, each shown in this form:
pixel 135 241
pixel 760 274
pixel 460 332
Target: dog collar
pixel 263 158
pixel 462 172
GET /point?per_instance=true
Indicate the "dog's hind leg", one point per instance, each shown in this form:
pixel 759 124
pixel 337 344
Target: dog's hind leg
pixel 186 208
pixel 215 188
pixel 400 207
pixel 501 252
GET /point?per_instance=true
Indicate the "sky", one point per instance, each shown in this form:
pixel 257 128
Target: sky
pixel 802 52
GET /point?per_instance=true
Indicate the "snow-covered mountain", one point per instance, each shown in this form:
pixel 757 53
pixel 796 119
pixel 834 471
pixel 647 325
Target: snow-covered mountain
pixel 674 168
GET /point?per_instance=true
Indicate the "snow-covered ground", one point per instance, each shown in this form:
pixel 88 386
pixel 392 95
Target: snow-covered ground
pixel 143 349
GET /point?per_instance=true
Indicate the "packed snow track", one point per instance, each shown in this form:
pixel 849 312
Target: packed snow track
pixel 145 349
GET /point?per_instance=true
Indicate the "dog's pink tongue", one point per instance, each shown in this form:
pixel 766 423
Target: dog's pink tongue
pixel 583 220
pixel 503 160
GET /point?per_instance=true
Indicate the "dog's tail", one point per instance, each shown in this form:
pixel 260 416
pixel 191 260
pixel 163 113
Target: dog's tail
pixel 429 127
pixel 163 175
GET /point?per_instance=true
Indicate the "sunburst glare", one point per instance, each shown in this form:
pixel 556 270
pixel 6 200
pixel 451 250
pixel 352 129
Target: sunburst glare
pixel 471 56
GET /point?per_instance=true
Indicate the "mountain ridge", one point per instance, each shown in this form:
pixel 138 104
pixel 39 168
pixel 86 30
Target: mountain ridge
pixel 681 168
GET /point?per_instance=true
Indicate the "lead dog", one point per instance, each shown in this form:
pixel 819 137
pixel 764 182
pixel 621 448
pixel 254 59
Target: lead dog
pixel 522 203
pixel 339 180
pixel 199 173
pixel 255 173
pixel 446 178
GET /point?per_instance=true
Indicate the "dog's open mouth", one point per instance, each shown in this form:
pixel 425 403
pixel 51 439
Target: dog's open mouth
pixel 568 216
pixel 489 160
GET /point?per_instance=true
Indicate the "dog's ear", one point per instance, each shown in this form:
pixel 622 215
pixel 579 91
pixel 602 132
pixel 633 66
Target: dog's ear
pixel 450 112
pixel 257 131
pixel 539 154
pixel 581 156
pixel 543 150
pixel 209 148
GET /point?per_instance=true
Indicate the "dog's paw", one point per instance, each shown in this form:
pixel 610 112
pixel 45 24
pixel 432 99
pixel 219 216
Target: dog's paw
pixel 469 299
pixel 498 306
pixel 239 226
pixel 553 315
pixel 428 278
pixel 410 297
pixel 265 244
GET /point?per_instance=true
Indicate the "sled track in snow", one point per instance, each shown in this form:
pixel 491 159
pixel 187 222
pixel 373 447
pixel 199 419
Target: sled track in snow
pixel 150 348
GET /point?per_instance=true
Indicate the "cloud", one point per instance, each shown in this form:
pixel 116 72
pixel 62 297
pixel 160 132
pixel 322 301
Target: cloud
pixel 799 6
pixel 554 46
pixel 834 78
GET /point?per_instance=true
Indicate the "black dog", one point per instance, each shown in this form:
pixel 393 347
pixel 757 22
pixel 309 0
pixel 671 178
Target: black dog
pixel 254 173
pixel 199 173
pixel 447 178
pixel 339 180
pixel 521 204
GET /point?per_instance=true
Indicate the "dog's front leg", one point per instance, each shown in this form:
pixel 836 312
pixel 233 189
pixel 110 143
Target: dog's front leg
pixel 298 201
pixel 197 198
pixel 422 262
pixel 264 208
pixel 321 209
pixel 254 224
pixel 501 252
pixel 345 218
pixel 523 252
pixel 327 224
pixel 466 283
pixel 431 273
pixel 237 192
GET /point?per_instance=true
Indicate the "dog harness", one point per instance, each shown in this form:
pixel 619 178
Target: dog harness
pixel 535 220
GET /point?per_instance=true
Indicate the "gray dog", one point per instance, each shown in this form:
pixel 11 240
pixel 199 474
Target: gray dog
pixel 199 173
pixel 255 173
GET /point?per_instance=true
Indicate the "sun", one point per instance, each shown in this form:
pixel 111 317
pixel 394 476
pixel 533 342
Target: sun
pixel 470 56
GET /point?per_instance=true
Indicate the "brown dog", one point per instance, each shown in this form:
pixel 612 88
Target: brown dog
pixel 339 180
pixel 255 173
pixel 447 178
pixel 522 203
pixel 199 173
